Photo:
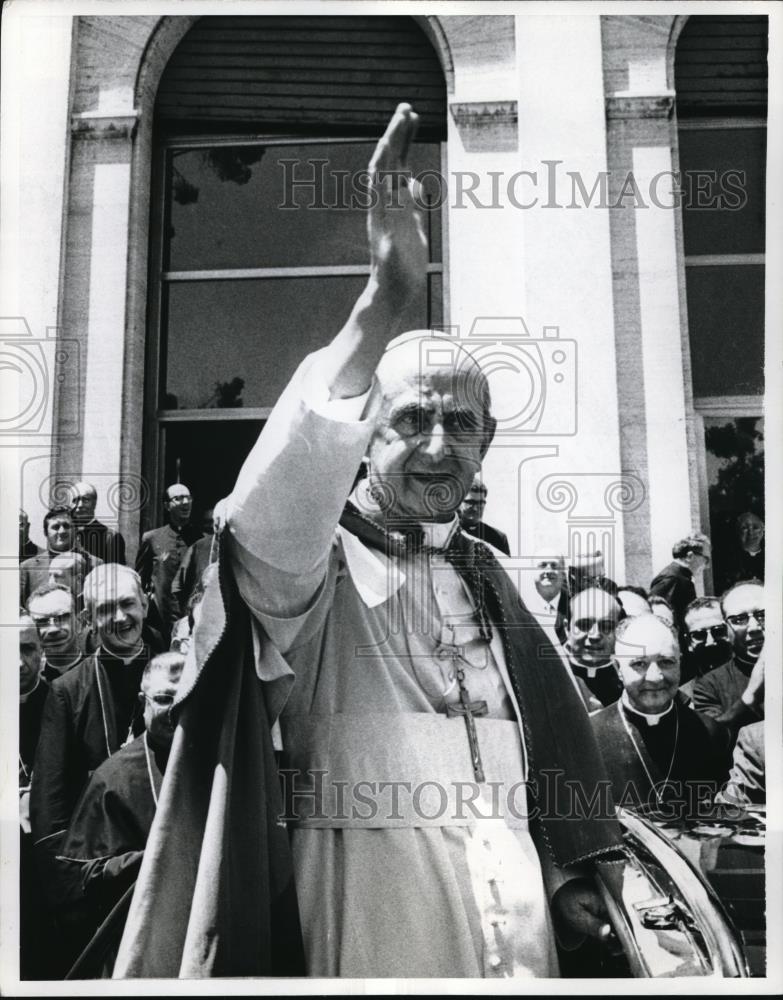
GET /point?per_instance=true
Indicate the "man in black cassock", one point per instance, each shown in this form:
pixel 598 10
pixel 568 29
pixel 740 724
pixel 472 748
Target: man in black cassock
pixel 105 841
pixel 92 710
pixel 659 753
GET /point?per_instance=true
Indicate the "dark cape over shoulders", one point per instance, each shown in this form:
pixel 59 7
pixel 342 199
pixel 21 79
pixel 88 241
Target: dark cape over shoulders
pixel 215 894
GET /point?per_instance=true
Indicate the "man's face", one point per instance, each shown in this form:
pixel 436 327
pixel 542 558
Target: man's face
pixel 428 442
pixel 743 609
pixel 60 533
pixel 118 615
pixel 708 637
pixel 179 504
pixel 158 692
pixel 594 618
pixel 83 503
pixel 751 532
pixel 471 509
pixel 29 657
pixel 550 576
pixel 648 660
pixel 55 618
pixel 24 527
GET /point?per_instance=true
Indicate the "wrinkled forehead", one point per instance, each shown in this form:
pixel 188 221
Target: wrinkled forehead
pixel 426 366
pixel 55 602
pixel 744 598
pixel 84 491
pixel 647 637
pixel 703 618
pixel 594 604
pixel 161 681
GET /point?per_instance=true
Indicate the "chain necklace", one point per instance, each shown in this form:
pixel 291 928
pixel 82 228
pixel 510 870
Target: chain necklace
pixel 658 794
pixel 98 670
pixel 149 770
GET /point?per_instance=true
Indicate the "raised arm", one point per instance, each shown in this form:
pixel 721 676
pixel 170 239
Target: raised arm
pixel 290 493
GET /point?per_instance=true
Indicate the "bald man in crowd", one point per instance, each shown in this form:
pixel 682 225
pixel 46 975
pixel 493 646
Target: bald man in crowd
pixel 162 551
pixel 743 610
pixel 657 750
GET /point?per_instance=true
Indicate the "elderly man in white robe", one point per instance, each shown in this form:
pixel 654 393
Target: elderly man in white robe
pixel 412 710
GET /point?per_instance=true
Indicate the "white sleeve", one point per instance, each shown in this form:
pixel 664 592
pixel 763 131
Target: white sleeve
pixel 290 493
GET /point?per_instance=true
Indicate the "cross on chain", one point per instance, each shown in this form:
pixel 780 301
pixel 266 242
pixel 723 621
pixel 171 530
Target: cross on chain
pixel 468 710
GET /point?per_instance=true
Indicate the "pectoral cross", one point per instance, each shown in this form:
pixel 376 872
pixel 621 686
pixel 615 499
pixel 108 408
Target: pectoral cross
pixel 468 710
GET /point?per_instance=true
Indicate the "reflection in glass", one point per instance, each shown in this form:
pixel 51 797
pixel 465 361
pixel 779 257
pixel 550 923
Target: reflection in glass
pixel 257 332
pixel 294 205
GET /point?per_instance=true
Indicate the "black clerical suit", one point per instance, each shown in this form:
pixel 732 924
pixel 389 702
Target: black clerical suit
pixel 104 845
pixel 679 747
pixel 486 533
pixel 90 712
pixel 101 542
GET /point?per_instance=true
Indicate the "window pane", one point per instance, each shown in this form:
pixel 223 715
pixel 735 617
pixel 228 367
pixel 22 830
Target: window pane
pixel 256 331
pixel 737 227
pixel 735 474
pixel 207 457
pixel 726 325
pixel 279 206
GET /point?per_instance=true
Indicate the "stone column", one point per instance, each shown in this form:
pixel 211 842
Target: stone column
pixel 654 384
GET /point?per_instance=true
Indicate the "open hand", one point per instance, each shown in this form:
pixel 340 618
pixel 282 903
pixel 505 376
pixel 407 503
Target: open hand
pixel 395 230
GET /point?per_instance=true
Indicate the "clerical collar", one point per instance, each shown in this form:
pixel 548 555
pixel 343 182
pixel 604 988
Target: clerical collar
pixel 63 667
pixel 435 534
pixel 23 697
pixel 104 655
pixel 582 668
pixel 438 534
pixel 651 718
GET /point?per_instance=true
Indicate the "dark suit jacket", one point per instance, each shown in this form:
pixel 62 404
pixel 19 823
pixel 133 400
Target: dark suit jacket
pixel 83 723
pixel 486 533
pixel 34 572
pixel 102 542
pixel 30 715
pixel 160 554
pixel 719 689
pixel 190 571
pixel 702 755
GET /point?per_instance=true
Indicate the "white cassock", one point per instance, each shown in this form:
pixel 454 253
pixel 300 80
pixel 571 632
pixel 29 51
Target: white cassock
pixel 404 866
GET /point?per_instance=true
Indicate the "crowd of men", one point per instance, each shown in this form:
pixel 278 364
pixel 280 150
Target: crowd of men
pixel 656 687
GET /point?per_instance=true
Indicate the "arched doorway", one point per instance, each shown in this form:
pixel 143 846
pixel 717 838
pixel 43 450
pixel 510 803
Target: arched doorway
pixel 263 127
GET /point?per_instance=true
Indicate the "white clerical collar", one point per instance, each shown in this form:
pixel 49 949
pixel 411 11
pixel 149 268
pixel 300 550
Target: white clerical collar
pixel 23 697
pixel 651 718
pixel 592 672
pixel 369 568
pixel 103 651
pixel 438 534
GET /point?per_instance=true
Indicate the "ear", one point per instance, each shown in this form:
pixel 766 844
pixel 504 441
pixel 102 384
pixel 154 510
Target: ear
pixel 490 426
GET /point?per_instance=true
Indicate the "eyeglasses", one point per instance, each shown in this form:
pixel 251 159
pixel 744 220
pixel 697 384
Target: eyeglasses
pixel 716 631
pixel 180 499
pixel 605 625
pixel 57 620
pixel 740 621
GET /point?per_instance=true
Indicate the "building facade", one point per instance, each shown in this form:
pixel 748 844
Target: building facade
pixel 186 218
